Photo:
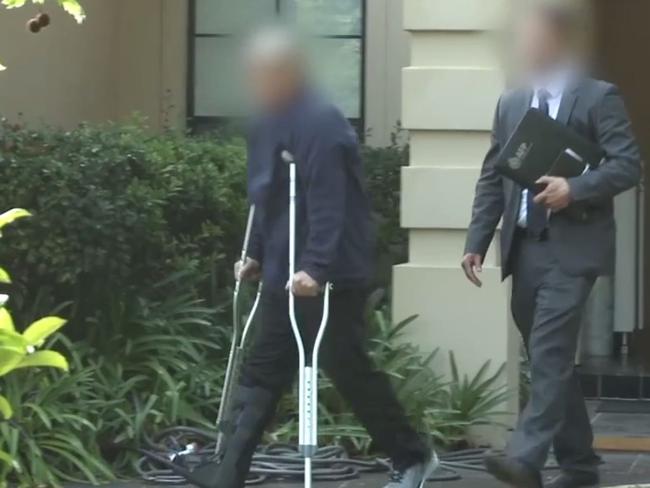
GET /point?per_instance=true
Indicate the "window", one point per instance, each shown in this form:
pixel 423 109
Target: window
pixel 214 88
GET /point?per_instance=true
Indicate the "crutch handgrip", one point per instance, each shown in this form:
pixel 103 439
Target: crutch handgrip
pixel 287 157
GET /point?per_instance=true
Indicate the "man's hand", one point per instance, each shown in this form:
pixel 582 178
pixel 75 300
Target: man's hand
pixel 472 264
pixel 557 194
pixel 248 271
pixel 304 285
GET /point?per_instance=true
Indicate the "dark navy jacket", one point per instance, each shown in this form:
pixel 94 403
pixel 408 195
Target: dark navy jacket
pixel 335 238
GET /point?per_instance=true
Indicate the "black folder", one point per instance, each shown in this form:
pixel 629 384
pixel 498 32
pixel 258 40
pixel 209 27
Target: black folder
pixel 543 146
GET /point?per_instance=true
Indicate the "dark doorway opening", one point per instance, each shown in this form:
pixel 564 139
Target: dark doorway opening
pixel 622 45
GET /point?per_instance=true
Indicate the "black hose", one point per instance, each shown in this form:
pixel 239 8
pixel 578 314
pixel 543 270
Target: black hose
pixel 189 447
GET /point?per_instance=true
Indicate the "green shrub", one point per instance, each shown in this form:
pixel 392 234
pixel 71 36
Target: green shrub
pixel 383 171
pixel 52 435
pixel 161 365
pixel 18 351
pixel 119 203
pixel 117 209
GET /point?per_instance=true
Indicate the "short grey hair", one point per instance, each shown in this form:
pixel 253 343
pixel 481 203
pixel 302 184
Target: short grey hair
pixel 274 45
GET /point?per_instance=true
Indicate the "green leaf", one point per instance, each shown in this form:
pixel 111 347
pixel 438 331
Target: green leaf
pixel 10 215
pixel 74 9
pixel 44 359
pixel 6 322
pixel 4 276
pixel 10 339
pixel 41 414
pixel 5 408
pixel 13 3
pixel 5 457
pixel 40 330
pixel 9 358
pixel 2 67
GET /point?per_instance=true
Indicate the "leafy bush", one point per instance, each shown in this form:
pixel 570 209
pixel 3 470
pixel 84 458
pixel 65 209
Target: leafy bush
pixel 481 398
pixel 383 171
pixel 117 209
pixel 17 352
pixel 156 370
pixel 166 368
pixel 52 437
pixel 130 207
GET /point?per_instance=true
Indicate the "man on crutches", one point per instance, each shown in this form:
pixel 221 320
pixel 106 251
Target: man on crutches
pixel 299 134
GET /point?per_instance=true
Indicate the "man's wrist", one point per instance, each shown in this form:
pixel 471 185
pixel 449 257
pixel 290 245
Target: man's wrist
pixel 314 273
pixel 473 252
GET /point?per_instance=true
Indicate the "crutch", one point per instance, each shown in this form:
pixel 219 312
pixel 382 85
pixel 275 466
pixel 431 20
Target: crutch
pixel 238 339
pixel 308 372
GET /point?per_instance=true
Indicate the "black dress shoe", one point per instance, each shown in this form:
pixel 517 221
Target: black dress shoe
pixel 512 472
pixel 575 480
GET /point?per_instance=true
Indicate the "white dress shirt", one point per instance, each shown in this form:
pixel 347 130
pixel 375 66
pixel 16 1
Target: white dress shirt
pixel 555 86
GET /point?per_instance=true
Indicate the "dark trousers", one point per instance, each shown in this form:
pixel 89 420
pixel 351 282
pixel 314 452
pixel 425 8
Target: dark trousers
pixel 272 364
pixel 547 305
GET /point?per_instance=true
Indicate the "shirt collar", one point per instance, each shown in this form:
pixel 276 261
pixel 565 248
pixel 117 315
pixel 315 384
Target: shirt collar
pixel 554 82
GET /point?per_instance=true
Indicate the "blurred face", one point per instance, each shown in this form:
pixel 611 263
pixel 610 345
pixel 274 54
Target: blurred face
pixel 273 84
pixel 539 45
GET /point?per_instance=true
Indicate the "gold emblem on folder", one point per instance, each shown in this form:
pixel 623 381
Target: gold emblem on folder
pixel 517 160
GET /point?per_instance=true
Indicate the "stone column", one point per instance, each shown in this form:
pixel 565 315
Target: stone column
pixel 449 94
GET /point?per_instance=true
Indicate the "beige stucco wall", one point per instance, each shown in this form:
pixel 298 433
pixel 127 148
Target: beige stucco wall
pixel 129 56
pixel 449 92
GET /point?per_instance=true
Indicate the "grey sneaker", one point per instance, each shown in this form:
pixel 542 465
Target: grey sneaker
pixel 414 476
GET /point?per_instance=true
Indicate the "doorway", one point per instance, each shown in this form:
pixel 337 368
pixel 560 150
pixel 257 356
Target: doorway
pixel 621 44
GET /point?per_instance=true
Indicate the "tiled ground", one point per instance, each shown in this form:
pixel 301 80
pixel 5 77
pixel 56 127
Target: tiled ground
pixel 622 424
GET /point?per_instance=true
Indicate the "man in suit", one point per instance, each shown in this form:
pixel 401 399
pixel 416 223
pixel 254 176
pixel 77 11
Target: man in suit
pixel 554 244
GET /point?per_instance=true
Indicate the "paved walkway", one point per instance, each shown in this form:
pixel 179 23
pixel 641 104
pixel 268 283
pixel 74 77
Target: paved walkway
pixel 619 469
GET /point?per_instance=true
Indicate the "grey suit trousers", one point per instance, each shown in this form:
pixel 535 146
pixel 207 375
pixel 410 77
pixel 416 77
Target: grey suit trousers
pixel 547 305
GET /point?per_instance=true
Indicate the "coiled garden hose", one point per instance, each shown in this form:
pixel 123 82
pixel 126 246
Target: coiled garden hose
pixel 190 447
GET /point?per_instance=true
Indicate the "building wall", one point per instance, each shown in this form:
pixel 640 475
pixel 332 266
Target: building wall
pixel 131 56
pixel 127 57
pixel 449 92
pixel 387 52
pixel 62 75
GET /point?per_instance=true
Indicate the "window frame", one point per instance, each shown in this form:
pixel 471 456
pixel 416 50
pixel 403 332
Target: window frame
pixel 202 123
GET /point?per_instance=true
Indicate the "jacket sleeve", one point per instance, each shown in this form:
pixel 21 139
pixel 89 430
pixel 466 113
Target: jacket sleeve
pixel 489 199
pixel 255 245
pixel 325 186
pixel 621 168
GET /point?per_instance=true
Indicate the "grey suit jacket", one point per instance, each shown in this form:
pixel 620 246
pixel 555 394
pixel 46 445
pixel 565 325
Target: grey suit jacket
pixel 582 236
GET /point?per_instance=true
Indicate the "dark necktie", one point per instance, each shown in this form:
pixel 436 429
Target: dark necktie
pixel 536 214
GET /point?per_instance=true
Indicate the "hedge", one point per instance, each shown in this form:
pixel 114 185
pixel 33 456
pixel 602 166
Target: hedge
pixel 117 209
